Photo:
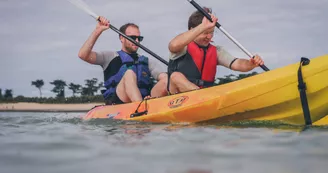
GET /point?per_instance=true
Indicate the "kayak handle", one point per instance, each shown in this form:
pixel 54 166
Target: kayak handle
pixel 138 114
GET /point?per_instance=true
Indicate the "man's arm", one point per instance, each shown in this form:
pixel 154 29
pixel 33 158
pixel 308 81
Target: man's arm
pixel 245 65
pixel 157 70
pixel 177 44
pixel 174 56
pixel 86 52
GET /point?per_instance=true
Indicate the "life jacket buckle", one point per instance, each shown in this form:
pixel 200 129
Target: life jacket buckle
pixel 200 82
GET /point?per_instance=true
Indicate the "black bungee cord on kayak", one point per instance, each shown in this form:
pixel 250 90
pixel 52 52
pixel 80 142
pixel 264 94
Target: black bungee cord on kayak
pixel 137 113
pixel 302 90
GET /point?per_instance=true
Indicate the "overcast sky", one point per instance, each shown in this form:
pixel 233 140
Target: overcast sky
pixel 40 39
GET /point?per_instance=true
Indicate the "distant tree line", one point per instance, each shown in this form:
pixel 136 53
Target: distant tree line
pixel 83 94
pixel 87 93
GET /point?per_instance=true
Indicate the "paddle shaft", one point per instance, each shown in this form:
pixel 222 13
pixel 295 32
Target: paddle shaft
pixel 200 9
pixel 83 6
pixel 138 44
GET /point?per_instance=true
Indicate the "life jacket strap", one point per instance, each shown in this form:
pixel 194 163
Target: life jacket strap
pixel 129 64
pixel 201 83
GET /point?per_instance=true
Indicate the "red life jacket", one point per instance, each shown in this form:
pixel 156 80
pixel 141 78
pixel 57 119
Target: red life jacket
pixel 198 64
pixel 205 60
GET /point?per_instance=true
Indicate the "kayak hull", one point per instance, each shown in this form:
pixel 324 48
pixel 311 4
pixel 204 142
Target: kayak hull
pixel 271 96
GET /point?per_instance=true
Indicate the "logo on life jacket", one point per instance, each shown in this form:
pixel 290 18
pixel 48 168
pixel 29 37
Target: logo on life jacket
pixel 144 74
pixel 178 101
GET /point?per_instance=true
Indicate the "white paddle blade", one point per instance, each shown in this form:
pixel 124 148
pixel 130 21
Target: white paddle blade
pixel 83 6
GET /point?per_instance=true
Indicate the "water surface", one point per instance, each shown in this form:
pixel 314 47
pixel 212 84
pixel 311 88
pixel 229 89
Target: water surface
pixel 60 142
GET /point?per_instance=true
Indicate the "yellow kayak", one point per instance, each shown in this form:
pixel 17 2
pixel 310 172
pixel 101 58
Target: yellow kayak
pixel 270 96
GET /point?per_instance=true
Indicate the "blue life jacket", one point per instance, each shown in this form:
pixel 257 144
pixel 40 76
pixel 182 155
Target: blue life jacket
pixel 140 68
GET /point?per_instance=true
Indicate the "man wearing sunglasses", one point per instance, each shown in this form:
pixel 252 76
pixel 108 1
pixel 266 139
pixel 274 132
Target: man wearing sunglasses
pixel 127 75
pixel 194 60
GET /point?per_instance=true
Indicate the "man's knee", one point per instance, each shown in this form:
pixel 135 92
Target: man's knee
pixel 162 83
pixel 130 74
pixel 176 76
pixel 162 76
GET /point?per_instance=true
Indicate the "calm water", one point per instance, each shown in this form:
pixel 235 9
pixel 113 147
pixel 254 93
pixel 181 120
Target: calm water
pixel 59 142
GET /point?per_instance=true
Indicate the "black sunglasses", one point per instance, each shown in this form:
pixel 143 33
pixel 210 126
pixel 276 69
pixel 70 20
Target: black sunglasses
pixel 134 37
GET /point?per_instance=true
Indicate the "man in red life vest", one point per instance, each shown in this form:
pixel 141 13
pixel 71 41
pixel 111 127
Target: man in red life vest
pixel 193 59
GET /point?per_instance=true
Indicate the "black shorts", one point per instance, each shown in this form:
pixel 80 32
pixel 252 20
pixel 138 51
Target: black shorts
pixel 113 100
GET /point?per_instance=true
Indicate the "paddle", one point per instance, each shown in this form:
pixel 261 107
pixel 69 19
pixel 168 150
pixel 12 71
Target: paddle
pixel 86 8
pixel 200 9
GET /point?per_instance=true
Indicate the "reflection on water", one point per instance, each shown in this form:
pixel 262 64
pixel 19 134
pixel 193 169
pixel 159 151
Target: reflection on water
pixel 58 142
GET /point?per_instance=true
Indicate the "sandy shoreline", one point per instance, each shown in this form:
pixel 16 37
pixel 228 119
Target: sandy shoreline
pixel 37 107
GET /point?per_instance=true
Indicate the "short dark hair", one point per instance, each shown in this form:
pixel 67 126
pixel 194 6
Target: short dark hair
pixel 196 18
pixel 125 26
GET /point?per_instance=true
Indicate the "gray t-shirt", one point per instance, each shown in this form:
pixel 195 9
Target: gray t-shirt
pixel 105 57
pixel 224 58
